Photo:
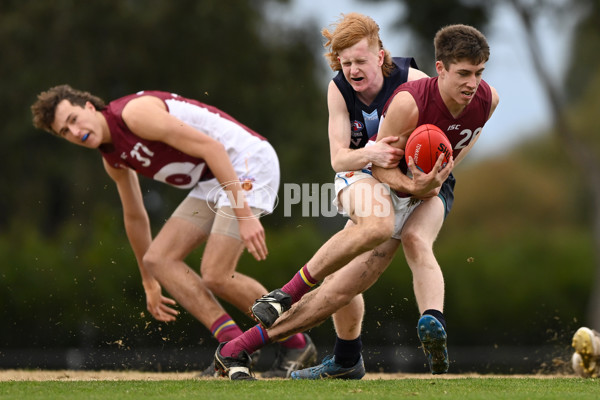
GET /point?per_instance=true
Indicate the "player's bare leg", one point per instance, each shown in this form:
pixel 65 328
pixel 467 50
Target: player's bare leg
pixel 418 236
pixel 347 361
pixel 164 259
pixel 218 269
pixel 318 305
pixel 336 292
pixel 369 205
pixel 348 319
pixel 372 223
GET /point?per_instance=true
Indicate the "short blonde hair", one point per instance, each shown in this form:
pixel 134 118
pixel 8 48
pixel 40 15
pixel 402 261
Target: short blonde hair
pixel 348 30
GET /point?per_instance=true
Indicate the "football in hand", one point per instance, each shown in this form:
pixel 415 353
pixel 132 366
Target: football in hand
pixel 425 144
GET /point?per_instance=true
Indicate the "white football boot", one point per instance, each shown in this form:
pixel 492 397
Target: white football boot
pixel 586 359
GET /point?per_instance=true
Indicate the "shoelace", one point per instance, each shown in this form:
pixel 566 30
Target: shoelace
pixel 326 363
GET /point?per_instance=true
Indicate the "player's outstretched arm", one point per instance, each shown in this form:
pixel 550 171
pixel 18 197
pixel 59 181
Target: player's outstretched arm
pixel 137 227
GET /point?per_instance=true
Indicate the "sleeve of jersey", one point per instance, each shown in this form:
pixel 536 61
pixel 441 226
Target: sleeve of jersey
pixel 410 87
pixel 344 88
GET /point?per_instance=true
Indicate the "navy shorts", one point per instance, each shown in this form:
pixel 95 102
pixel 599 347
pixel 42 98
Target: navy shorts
pixel 447 194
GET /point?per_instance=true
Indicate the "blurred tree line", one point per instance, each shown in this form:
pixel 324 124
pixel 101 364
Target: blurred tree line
pixel 517 250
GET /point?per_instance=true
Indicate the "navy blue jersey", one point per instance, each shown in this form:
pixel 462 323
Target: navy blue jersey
pixel 364 120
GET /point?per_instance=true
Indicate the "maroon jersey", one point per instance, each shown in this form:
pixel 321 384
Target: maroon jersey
pixel 432 110
pixel 158 160
pixel 460 131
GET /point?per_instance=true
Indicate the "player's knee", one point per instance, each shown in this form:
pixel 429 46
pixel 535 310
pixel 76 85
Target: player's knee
pixel 374 234
pixel 343 299
pixel 340 298
pixel 212 281
pixel 215 281
pixel 413 243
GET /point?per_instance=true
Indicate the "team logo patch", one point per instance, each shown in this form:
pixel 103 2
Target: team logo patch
pixel 357 126
pixel 349 174
pixel 253 195
pixel 247 182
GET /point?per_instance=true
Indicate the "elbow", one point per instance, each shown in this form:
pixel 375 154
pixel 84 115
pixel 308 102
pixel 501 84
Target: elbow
pixel 217 148
pixel 136 217
pixel 336 166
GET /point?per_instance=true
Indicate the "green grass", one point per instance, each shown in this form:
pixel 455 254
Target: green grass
pixel 461 388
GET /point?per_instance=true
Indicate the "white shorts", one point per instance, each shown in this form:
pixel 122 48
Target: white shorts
pixel 403 206
pixel 259 173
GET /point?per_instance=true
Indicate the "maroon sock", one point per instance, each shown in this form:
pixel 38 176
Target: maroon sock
pixel 300 284
pixel 251 340
pixel 224 328
pixel 297 341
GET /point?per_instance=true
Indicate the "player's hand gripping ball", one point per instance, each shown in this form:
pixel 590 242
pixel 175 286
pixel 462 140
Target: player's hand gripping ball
pixel 425 144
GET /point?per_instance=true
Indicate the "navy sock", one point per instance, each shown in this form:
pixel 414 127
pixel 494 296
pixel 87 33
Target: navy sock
pixel 437 315
pixel 347 352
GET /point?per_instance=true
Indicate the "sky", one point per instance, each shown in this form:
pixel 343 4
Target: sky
pixel 523 110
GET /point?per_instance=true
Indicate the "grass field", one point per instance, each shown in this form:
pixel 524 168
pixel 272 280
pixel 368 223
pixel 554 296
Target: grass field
pixel 98 386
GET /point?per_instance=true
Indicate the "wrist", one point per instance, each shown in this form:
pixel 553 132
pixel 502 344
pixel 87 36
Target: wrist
pixel 368 155
pixel 149 283
pixel 411 187
pixel 242 211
